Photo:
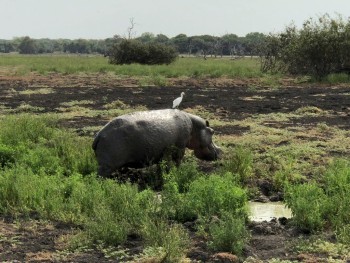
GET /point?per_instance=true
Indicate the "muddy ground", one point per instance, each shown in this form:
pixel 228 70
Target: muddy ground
pixel 36 241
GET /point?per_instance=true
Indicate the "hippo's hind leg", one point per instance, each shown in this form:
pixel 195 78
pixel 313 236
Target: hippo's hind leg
pixel 105 171
pixel 173 155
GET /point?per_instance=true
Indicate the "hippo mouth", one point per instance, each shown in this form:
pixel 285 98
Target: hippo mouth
pixel 209 153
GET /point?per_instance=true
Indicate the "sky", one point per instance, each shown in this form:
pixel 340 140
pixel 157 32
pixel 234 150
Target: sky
pixel 100 19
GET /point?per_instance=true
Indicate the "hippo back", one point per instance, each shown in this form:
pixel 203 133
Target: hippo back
pixel 141 137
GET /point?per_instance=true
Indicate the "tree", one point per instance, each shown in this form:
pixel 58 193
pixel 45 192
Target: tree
pixel 146 37
pixel 161 39
pixel 230 44
pixel 6 46
pixel 27 46
pixel 253 42
pixel 180 42
pixel 319 48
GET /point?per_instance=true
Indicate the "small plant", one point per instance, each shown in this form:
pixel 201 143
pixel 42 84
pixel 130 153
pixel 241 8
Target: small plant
pixel 7 155
pixel 240 163
pixel 229 234
pixel 308 203
pixel 212 195
pixel 117 104
pixel 173 239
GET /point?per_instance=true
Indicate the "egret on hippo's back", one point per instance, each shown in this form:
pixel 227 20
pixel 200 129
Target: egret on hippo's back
pixel 142 138
pixel 178 100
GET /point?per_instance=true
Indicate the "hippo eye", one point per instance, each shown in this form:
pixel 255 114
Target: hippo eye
pixel 207 123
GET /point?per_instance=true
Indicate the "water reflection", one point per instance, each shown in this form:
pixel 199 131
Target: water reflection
pixel 266 211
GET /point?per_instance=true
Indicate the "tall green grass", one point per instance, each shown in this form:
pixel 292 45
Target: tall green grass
pixel 51 173
pixel 183 67
pixel 319 205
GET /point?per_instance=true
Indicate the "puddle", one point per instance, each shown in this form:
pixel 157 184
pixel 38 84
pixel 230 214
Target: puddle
pixel 266 211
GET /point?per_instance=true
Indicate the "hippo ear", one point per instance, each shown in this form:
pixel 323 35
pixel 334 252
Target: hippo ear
pixel 207 123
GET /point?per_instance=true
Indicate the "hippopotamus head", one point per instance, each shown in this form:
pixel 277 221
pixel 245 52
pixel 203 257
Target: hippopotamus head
pixel 201 140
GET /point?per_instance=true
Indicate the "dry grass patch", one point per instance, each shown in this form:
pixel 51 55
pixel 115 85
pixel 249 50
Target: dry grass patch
pixel 76 103
pixel 41 91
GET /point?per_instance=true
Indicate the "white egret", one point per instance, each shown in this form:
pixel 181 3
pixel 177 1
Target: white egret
pixel 178 100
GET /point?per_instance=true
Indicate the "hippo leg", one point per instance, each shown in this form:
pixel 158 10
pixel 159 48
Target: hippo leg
pixel 178 155
pixel 105 171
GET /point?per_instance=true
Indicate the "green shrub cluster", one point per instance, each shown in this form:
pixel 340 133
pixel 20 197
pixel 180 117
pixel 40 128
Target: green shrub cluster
pixel 37 143
pixel 51 173
pixel 316 206
pixel 319 48
pixel 133 51
pixel 216 202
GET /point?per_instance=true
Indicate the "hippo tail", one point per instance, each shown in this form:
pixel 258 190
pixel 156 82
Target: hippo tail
pixel 95 142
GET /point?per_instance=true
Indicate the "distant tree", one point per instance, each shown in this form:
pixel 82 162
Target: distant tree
pixel 180 42
pixel 319 48
pixel 230 44
pixel 78 46
pixel 131 29
pixel 110 43
pixel 161 39
pixel 253 42
pixel 146 37
pixel 45 45
pixel 27 46
pixel 6 46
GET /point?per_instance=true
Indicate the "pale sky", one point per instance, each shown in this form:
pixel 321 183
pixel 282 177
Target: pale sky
pixel 100 19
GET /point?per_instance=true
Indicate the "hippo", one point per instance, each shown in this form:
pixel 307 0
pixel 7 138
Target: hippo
pixel 142 138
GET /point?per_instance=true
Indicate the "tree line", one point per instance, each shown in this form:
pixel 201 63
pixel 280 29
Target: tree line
pixel 203 45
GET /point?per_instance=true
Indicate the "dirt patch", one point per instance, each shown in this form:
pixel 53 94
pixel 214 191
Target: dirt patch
pixel 228 99
pixel 227 102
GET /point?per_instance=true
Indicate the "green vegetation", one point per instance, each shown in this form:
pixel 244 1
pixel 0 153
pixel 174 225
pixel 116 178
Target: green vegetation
pixel 183 67
pixel 318 49
pixel 316 206
pixel 51 173
pixel 134 51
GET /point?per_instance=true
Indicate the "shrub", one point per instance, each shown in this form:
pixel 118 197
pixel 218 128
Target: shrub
pixel 318 49
pixel 39 144
pixel 313 206
pixel 173 239
pixel 212 195
pixel 240 163
pixel 26 129
pixel 337 188
pixel 7 155
pixel 308 203
pixel 229 234
pixel 184 175
pixel 134 51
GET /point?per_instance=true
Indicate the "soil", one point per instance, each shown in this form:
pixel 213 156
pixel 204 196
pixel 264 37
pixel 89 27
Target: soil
pixel 37 241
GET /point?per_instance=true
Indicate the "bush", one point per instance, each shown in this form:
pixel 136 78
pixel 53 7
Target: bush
pixel 318 49
pixel 7 155
pixel 133 51
pixel 337 188
pixel 173 239
pixel 215 194
pixel 37 143
pixel 313 206
pixel 308 203
pixel 240 163
pixel 229 234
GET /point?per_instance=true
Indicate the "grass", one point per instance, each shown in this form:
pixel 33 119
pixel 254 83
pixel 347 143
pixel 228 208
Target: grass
pixel 51 172
pixel 157 74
